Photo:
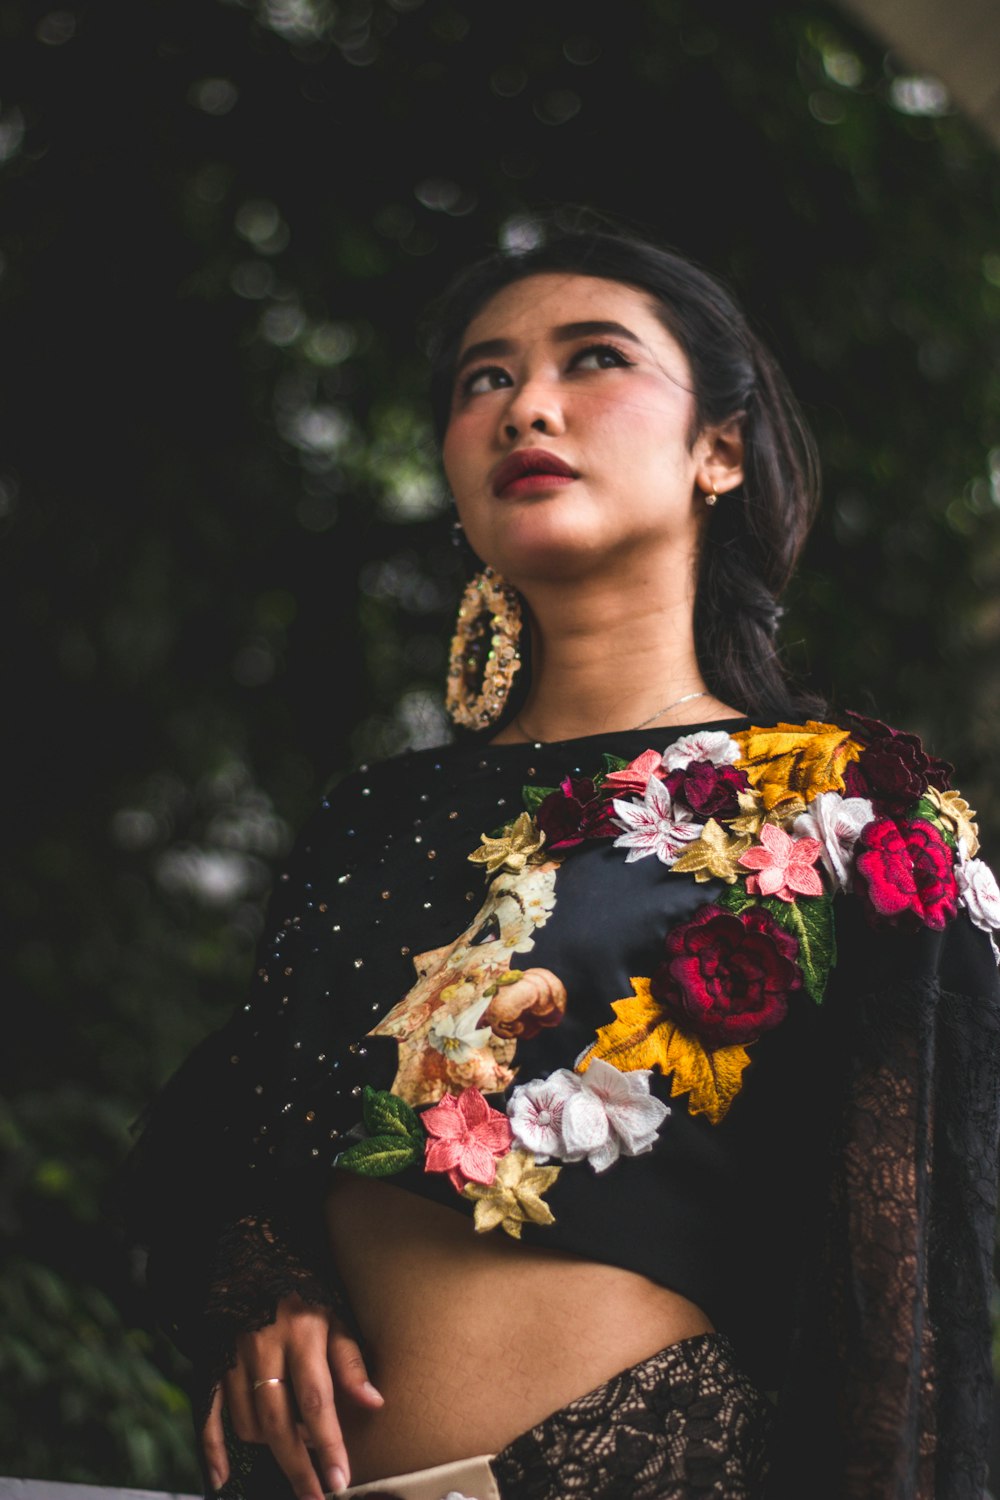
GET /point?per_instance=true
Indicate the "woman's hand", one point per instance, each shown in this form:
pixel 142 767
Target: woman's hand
pixel 318 1364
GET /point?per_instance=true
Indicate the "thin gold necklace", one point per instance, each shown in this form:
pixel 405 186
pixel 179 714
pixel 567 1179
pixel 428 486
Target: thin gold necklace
pixel 688 698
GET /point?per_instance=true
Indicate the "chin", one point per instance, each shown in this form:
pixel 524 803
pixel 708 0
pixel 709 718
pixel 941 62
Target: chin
pixel 547 546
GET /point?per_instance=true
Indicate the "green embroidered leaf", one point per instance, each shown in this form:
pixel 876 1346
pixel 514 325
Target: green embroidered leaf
pixel 534 796
pixel 925 809
pixel 810 919
pixel 387 1114
pixel 736 898
pixel 613 763
pixel 381 1155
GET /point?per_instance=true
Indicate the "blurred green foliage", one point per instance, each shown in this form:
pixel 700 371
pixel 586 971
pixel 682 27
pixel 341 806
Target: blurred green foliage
pixel 229 571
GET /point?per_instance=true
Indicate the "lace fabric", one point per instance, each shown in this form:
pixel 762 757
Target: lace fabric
pixel 686 1424
pixel 891 1377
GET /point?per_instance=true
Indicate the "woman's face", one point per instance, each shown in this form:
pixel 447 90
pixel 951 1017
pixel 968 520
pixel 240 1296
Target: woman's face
pixel 567 449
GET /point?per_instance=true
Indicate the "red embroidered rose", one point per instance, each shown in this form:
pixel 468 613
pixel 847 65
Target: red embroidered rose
pixel 894 770
pixel 905 873
pixel 576 811
pixel 727 977
pixel 709 790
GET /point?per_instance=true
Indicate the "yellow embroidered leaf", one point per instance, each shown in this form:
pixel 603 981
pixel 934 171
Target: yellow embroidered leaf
pixel 643 1036
pixel 796 760
pixel 715 854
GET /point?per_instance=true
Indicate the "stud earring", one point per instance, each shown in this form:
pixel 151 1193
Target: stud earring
pixel 485 655
pixel 711 498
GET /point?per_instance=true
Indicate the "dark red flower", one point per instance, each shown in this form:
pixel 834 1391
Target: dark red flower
pixel 574 812
pixel 894 770
pixel 727 977
pixel 905 873
pixel 710 791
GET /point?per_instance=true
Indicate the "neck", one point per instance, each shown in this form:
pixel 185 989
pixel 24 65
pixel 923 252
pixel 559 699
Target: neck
pixel 605 658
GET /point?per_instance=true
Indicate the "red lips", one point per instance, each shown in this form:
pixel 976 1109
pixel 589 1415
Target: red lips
pixel 531 464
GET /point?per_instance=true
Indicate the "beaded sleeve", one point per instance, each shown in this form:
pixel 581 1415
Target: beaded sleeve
pixel 231 1225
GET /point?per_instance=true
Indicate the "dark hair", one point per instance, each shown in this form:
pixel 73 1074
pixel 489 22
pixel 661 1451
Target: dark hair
pixel 753 537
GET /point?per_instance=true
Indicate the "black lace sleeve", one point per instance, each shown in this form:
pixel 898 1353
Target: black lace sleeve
pixel 888 1396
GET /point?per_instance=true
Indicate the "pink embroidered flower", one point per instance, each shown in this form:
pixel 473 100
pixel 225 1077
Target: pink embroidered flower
pixel 468 1137
pixel 784 865
pixel 708 744
pixel 654 825
pixel 633 778
pixel 905 873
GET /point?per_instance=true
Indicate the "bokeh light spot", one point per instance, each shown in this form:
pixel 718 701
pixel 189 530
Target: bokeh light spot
pixel 57 27
pixel 919 96
pixel 214 96
pixel 581 51
pixel 520 233
pixel 558 106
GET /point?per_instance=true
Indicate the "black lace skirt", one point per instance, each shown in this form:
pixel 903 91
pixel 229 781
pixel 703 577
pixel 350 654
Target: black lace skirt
pixel 685 1424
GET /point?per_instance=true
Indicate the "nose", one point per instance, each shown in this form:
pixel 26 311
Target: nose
pixel 534 406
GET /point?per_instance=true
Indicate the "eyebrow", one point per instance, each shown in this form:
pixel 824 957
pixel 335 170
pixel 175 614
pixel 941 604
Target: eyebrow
pixel 563 334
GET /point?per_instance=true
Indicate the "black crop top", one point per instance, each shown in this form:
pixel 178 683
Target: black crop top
pixel 668 999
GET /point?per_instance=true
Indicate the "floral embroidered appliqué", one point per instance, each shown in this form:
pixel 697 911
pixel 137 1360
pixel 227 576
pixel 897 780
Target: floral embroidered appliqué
pixel 644 1036
pixel 514 1196
pixel 596 1115
pixel 467 1138
pixel 796 759
pixel 783 865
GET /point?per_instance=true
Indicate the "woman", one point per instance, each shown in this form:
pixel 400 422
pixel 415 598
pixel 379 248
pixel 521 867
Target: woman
pixel 671 987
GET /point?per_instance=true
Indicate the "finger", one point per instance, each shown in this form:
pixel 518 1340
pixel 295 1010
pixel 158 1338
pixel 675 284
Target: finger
pixel 240 1405
pixel 350 1375
pixel 313 1388
pixel 276 1419
pixel 213 1444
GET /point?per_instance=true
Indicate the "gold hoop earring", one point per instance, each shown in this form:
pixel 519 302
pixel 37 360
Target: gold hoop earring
pixel 484 650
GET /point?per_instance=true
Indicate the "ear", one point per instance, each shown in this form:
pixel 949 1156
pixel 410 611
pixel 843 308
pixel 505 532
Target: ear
pixel 720 451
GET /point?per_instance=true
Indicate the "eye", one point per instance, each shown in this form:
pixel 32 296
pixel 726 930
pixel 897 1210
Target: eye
pixel 487 378
pixel 600 357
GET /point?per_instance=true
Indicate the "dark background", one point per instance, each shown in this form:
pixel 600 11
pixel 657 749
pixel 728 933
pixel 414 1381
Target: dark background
pixel 228 571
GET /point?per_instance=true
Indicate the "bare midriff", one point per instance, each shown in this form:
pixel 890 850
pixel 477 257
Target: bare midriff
pixel 473 1338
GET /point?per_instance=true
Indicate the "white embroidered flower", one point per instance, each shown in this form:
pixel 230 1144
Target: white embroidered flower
pixel 979 893
pixel 535 1112
pixel 609 1115
pixel 836 822
pixel 457 1036
pixel 708 744
pixel 654 825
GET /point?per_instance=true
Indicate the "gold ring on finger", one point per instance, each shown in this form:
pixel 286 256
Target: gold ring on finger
pixel 270 1380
